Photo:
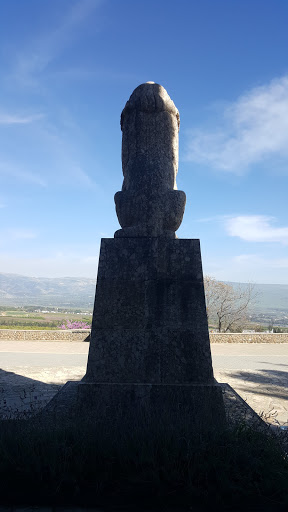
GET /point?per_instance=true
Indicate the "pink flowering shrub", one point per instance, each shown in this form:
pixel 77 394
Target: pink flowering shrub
pixel 74 325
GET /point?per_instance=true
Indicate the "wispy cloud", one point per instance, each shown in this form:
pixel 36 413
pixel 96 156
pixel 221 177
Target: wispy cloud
pixel 20 234
pixel 18 119
pixel 74 175
pixel 256 260
pixel 34 59
pixel 213 218
pixel 12 171
pixel 91 260
pixel 61 164
pixel 54 265
pixel 67 166
pixel 256 228
pixel 92 74
pixel 250 130
pixel 247 268
pixel 10 236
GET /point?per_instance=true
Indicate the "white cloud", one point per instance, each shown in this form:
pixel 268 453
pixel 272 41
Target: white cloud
pixel 251 129
pixel 16 119
pixel 256 228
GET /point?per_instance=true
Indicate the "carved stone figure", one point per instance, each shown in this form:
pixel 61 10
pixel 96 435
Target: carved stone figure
pixel 150 204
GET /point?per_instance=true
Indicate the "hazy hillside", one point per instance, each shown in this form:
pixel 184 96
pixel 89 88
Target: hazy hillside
pixel 69 291
pixel 269 296
pixel 79 292
pixel 272 296
pixel 271 304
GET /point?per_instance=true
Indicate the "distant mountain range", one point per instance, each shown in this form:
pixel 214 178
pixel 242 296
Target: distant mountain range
pixel 269 297
pixel 17 290
pixel 78 292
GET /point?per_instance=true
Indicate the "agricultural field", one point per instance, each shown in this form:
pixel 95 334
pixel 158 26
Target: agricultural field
pixel 36 317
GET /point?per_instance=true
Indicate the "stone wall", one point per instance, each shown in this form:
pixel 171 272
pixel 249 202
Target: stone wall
pixel 76 335
pixel 37 335
pixel 256 337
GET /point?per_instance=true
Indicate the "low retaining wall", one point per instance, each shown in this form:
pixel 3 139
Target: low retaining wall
pixel 81 335
pixel 35 335
pixel 257 337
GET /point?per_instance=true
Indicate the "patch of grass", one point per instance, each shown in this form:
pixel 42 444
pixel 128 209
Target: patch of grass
pixel 90 464
pixel 33 321
pixel 20 325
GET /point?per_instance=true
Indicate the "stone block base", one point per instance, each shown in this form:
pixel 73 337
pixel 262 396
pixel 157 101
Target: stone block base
pixel 175 406
pixel 149 321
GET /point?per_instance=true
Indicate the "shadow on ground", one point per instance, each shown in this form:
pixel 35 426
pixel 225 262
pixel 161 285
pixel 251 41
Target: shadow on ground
pixel 22 396
pixel 264 382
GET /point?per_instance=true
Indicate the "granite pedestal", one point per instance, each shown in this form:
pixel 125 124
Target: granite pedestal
pixel 149 351
pixel 150 346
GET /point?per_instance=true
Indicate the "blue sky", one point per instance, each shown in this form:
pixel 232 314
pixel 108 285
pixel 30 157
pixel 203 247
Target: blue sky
pixel 68 67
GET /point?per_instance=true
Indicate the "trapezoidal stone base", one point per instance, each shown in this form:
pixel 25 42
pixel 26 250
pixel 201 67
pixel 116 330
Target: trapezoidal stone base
pixel 149 321
pixel 192 406
pixel 150 352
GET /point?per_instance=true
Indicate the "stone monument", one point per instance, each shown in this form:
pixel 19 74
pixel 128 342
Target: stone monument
pixel 150 348
pixel 150 204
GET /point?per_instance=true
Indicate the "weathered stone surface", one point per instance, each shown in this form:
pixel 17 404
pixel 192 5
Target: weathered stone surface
pixel 149 322
pixel 170 407
pixel 152 356
pixel 194 405
pixel 149 204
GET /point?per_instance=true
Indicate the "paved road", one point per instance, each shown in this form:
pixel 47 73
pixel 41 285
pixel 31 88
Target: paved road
pixel 10 359
pixel 34 372
pixel 250 357
pixel 225 356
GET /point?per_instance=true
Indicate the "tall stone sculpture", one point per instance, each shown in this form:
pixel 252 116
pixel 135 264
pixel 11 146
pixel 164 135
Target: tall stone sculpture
pixel 149 350
pixel 149 342
pixel 150 204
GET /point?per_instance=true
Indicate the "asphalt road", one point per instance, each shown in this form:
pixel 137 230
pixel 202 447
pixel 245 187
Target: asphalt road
pixel 225 356
pixel 257 372
pixel 12 359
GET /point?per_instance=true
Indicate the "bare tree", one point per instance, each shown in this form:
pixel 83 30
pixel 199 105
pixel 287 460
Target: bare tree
pixel 227 306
